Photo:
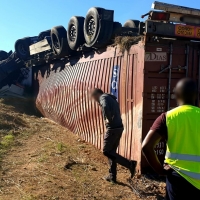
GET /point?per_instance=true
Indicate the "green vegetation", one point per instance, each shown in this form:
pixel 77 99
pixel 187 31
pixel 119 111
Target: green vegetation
pixel 7 141
pixel 43 158
pixel 60 147
pixel 28 197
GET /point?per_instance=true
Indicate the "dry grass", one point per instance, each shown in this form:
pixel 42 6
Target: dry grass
pixel 34 152
pixel 125 42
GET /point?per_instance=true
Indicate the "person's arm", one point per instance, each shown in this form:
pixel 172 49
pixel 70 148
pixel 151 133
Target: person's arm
pixel 148 146
pixel 106 109
pixel 158 131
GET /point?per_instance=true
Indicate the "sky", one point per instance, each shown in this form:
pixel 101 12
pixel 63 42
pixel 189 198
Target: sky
pixel 23 18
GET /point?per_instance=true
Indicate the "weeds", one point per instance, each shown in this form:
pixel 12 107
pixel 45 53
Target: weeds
pixel 7 141
pixel 28 197
pixel 60 147
pixel 42 158
pixel 125 42
pixel 34 169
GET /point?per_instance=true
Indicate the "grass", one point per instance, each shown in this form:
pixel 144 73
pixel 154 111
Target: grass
pixel 125 42
pixel 28 197
pixel 43 158
pixel 13 122
pixel 7 141
pixel 38 151
pixel 60 147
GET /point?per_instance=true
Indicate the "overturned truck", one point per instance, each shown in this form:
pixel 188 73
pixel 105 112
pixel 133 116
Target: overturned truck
pixel 140 67
pixel 139 63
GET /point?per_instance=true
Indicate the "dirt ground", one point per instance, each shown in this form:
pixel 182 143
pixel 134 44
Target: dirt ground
pixel 34 151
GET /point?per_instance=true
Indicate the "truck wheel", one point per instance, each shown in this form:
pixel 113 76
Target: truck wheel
pixel 132 23
pixel 91 25
pixel 75 35
pixel 22 48
pixel 98 27
pixel 3 55
pixel 44 34
pixel 59 41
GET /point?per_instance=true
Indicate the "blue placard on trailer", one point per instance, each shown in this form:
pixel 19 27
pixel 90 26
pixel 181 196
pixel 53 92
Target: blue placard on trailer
pixel 115 81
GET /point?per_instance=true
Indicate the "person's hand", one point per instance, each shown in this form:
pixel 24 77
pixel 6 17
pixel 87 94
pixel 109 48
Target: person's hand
pixel 167 167
pixel 106 121
pixel 166 170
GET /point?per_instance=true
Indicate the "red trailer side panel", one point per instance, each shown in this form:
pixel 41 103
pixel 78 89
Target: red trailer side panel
pixel 64 95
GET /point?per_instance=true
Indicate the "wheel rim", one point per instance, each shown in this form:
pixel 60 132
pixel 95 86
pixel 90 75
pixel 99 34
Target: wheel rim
pixel 72 33
pixel 91 26
pixel 56 42
pixel 21 49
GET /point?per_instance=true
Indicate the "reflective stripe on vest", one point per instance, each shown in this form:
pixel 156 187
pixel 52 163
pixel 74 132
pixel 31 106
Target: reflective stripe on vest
pixel 186 157
pixel 191 174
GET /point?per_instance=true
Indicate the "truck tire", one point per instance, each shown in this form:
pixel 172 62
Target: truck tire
pixel 91 25
pixel 3 55
pixel 132 23
pixel 59 41
pixel 75 34
pixel 22 48
pixel 98 27
pixel 44 34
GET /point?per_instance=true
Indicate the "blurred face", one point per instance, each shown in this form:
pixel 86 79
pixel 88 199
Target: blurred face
pixel 177 92
pixel 184 93
pixel 95 97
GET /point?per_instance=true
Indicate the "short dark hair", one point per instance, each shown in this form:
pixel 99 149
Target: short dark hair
pixel 187 89
pixel 97 91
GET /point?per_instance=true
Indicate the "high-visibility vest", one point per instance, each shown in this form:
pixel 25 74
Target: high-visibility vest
pixel 183 145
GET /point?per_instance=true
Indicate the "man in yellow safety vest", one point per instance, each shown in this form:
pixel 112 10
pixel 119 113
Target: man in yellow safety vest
pixel 180 127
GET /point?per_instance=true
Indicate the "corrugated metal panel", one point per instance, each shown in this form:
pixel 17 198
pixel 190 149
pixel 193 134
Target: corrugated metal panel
pixel 130 89
pixel 135 101
pixel 64 95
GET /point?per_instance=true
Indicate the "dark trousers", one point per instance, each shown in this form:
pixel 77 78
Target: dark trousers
pixel 111 142
pixel 179 188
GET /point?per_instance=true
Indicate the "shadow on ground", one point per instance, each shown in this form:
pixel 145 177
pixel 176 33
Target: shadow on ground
pixel 26 105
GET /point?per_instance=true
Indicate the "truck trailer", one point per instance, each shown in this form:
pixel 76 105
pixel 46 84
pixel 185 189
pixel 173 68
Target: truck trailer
pixel 141 70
